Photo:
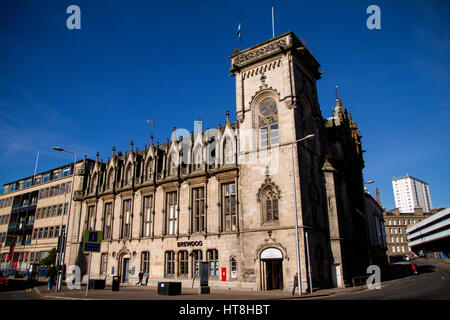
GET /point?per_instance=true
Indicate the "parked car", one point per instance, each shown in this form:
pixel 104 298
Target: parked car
pixel 3 280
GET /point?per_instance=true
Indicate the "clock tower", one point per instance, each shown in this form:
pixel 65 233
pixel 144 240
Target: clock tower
pixel 276 104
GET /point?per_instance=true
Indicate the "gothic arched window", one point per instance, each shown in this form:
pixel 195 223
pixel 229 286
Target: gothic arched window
pixel 198 158
pixel 268 123
pixel 268 197
pixel 129 174
pixel 93 182
pixel 172 165
pixel 228 151
pixel 148 169
pixel 270 206
pixel 110 180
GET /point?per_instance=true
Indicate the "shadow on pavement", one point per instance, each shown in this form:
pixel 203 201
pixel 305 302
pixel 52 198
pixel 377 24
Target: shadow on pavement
pixel 403 270
pixel 19 285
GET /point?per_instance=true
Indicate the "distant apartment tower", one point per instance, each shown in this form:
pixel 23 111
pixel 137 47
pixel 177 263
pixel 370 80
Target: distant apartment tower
pixel 410 192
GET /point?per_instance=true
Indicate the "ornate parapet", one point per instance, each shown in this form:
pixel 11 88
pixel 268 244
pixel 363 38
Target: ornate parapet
pixel 261 51
pixel 286 42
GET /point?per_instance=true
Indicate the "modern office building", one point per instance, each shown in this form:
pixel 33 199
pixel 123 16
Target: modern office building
pixel 431 236
pixel 227 196
pixel 33 212
pixel 410 192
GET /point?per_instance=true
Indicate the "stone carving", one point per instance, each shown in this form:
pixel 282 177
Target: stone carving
pixel 260 51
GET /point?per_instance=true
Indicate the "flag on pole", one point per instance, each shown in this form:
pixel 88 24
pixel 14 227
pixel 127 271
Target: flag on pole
pixel 239 31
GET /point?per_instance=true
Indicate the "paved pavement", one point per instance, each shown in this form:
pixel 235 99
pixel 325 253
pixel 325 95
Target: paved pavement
pixel 432 282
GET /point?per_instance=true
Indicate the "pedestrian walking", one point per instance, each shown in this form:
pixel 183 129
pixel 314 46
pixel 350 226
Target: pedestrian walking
pixel 51 277
pixel 141 276
pixel 295 283
pixel 414 269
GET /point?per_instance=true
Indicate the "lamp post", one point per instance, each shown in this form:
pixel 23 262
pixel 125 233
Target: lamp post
pixel 64 235
pixel 367 219
pixel 295 210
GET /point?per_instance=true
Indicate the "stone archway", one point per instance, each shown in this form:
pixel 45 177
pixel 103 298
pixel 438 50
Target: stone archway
pixel 123 265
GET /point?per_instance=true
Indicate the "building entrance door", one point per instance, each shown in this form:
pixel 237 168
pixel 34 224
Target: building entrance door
pixel 274 277
pixel 271 269
pixel 125 270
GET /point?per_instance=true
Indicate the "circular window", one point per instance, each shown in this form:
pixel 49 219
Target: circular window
pixel 267 107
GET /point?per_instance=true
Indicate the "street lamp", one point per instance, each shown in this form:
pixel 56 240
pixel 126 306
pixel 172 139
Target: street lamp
pixel 64 235
pixel 295 210
pixel 367 219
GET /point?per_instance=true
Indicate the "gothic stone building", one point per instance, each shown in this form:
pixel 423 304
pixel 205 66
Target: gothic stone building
pixel 225 196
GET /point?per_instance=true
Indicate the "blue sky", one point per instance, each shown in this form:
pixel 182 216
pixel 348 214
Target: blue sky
pixel 91 89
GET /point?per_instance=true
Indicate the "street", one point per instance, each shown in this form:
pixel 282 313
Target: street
pixel 431 282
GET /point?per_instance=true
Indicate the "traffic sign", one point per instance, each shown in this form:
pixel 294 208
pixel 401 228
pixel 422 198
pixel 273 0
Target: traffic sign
pixel 92 241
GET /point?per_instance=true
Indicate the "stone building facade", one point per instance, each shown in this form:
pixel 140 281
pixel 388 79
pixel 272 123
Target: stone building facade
pixel 396 223
pixel 225 196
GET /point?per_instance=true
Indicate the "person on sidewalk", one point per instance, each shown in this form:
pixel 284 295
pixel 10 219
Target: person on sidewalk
pixel 414 269
pixel 141 276
pixel 51 277
pixel 295 283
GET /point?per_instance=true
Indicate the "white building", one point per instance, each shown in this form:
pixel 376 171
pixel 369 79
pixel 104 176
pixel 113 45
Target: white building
pixel 410 192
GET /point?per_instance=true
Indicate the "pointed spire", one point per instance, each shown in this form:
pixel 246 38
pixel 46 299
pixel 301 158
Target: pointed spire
pixel 151 139
pixel 199 125
pixel 131 146
pixel 337 97
pixel 113 151
pixel 174 137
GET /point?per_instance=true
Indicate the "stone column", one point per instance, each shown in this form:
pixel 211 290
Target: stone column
pixel 335 236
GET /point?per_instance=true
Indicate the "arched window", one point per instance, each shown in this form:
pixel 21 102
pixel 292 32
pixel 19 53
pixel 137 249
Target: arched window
pixel 93 182
pixel 172 165
pixel 148 169
pixel 268 123
pixel 228 151
pixel 129 174
pixel 110 180
pixel 270 206
pixel 269 195
pixel 198 158
pixel 233 267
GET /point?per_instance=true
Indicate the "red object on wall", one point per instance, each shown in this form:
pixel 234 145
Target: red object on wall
pixel 224 274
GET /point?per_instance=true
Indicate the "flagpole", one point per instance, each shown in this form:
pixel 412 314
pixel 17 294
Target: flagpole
pixel 240 37
pixel 35 167
pixel 273 25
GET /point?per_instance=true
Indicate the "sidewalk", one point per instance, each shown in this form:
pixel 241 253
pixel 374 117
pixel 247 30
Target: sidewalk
pixel 130 292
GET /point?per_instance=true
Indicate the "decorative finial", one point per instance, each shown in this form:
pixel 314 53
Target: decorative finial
pixel 267 172
pixel 96 156
pixel 227 114
pixel 151 138
pixel 263 78
pixel 335 89
pixel 131 145
pixel 114 150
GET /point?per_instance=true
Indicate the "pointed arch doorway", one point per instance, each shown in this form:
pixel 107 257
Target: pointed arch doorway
pixel 124 267
pixel 271 266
